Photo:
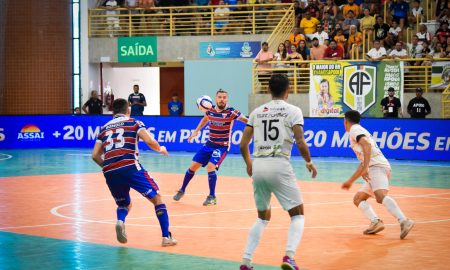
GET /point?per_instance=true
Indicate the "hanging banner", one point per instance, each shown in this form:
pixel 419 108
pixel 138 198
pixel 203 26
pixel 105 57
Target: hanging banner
pixel 440 74
pixel 338 87
pixel 248 49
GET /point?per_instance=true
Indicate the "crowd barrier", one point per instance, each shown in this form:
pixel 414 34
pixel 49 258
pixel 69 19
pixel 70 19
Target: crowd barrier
pixel 398 138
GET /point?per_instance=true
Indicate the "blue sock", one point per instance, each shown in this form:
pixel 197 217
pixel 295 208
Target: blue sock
pixel 122 213
pixel 187 178
pixel 163 218
pixel 212 179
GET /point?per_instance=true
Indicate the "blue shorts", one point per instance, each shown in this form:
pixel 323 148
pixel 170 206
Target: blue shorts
pixel 120 181
pixel 209 153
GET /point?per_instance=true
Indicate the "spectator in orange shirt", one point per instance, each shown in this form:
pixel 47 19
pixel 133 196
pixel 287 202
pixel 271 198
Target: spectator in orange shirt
pixel 340 39
pixel 355 38
pixel 296 37
pixel 351 6
pixel 317 51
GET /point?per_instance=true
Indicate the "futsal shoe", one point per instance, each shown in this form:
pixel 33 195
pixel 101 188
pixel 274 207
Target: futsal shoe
pixel 178 196
pixel 288 264
pixel 169 241
pixel 374 227
pixel 245 267
pixel 210 200
pixel 120 232
pixel 405 227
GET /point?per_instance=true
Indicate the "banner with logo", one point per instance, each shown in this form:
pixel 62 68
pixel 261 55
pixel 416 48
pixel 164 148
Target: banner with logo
pixel 248 49
pixel 338 87
pixel 426 139
pixel 137 49
pixel 440 74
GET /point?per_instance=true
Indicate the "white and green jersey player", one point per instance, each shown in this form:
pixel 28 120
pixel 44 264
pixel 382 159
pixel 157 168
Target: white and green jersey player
pixel 275 127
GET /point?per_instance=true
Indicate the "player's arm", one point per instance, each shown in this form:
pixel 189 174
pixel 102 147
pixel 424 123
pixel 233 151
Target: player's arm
pixel 244 147
pixel 363 168
pixel 144 102
pixel 152 143
pixel 200 125
pixel 303 148
pixel 97 153
pixel 243 118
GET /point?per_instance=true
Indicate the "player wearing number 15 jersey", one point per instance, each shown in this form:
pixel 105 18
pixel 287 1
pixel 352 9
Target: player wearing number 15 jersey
pixel 274 127
pixel 118 142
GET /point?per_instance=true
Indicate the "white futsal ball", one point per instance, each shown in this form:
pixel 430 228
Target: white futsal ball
pixel 204 103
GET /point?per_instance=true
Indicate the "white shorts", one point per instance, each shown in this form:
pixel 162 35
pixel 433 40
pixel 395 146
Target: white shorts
pixel 275 175
pixel 379 179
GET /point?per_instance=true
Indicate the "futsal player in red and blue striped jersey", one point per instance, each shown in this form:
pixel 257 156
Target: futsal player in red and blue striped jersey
pixel 116 151
pixel 214 151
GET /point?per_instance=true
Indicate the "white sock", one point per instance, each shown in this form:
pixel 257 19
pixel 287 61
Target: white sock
pixel 367 210
pixel 253 239
pixel 393 208
pixel 295 234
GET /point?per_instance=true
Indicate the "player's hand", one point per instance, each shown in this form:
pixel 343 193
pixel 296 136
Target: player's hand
pixel 346 185
pixel 163 151
pixel 365 174
pixel 312 169
pixel 193 135
pixel 249 169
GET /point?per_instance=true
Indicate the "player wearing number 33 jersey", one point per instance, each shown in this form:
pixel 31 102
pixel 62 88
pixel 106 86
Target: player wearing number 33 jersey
pixel 275 126
pixel 116 151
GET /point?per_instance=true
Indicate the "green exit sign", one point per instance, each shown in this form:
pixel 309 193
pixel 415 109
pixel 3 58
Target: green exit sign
pixel 137 49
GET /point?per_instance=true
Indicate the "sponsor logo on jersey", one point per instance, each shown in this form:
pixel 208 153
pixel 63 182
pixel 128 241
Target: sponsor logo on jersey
pixel 265 109
pixel 359 87
pixel 30 132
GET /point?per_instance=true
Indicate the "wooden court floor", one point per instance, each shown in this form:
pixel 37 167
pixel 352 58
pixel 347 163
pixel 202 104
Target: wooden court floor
pixel 76 208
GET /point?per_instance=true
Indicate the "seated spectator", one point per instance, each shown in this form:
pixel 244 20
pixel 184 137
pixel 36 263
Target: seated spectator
pixel 415 50
pixel 330 8
pixel 175 106
pixel 395 30
pixel 300 11
pixel 370 6
pixel 381 29
pixel 336 29
pixel 418 107
pixel 263 57
pixel 444 16
pixel 423 34
pixel 351 7
pixel 389 42
pixel 400 11
pixel 94 105
pixel 287 44
pixel 281 55
pixel 350 20
pixel 367 22
pixel 426 53
pixel 296 37
pixel 333 52
pixel 377 53
pixel 304 51
pixel 443 32
pixel 327 23
pixel 221 15
pixel 317 51
pixel 398 52
pixel 438 51
pixel 313 9
pixel 308 25
pixel 294 55
pixel 340 39
pixel 320 34
pixel 354 38
pixel 416 13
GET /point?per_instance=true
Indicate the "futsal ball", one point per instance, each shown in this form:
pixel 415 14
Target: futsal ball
pixel 204 103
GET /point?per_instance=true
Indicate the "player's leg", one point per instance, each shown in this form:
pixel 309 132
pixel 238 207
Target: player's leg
pixel 360 201
pixel 200 159
pixel 380 183
pixel 143 183
pixel 120 192
pixel 262 194
pixel 285 188
pixel 217 157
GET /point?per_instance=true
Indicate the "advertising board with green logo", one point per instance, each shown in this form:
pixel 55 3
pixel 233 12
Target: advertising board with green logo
pixel 137 49
pixel 337 87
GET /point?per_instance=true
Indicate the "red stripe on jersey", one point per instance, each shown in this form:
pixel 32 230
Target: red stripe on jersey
pixel 219 127
pixel 219 135
pixel 118 164
pixel 130 140
pixel 117 152
pixel 151 181
pixel 220 119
